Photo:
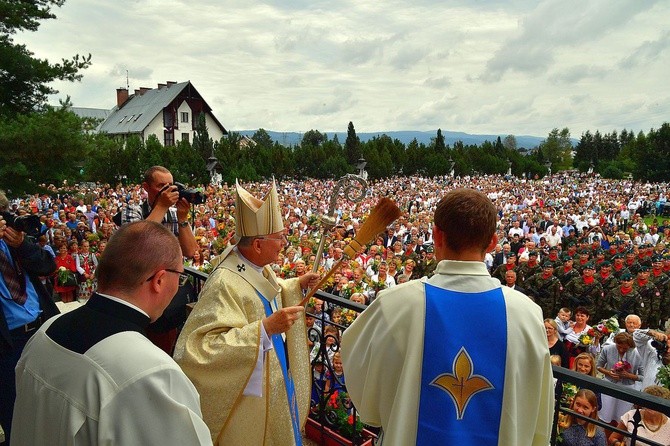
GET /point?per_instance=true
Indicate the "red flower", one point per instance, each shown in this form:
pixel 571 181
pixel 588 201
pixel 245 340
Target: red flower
pixel 350 420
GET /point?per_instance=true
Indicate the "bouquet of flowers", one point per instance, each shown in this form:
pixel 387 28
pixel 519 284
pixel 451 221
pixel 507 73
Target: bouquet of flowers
pixel 663 376
pixel 66 277
pixel 586 339
pixel 608 326
pixel 343 420
pixel 287 271
pixel 568 394
pixel 348 317
pixel 622 366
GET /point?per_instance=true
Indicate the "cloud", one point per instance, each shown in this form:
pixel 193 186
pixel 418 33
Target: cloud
pixel 437 82
pixel 647 52
pixel 574 74
pixel 553 26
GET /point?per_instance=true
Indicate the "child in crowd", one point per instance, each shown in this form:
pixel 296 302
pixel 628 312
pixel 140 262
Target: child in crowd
pixel 578 432
pixel 563 321
pixel 335 380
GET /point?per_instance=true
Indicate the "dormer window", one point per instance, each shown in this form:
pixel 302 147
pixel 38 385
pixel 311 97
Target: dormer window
pixel 184 116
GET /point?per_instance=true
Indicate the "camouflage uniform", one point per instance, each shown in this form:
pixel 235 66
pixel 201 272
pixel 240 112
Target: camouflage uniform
pixel 608 283
pixel 662 282
pixel 650 303
pixel 545 292
pixel 564 277
pixel 577 293
pixel 427 267
pixel 626 304
pixel 500 271
pixel 526 271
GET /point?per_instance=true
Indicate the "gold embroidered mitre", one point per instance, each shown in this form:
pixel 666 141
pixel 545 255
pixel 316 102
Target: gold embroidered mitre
pixel 257 217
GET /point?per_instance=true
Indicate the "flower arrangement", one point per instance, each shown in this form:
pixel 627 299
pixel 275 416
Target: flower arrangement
pixel 348 317
pixel 568 394
pixel 66 277
pixel 588 338
pixel 287 271
pixel 343 419
pixel 663 376
pixel 622 366
pixel 608 326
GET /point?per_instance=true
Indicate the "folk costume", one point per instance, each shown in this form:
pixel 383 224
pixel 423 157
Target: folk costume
pixel 255 390
pixel 408 356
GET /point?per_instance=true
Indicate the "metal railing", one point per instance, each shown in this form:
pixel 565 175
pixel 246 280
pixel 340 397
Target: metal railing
pixel 324 346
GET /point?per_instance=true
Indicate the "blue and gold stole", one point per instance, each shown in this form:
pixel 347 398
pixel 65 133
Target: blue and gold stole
pixel 463 372
pixel 280 351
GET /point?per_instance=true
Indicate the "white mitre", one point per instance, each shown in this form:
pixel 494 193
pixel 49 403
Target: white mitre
pixel 254 217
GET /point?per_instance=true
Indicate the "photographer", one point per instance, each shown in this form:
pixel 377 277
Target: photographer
pixel 652 346
pixel 25 303
pixel 162 194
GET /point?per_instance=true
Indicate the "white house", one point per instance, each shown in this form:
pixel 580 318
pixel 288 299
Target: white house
pixel 170 112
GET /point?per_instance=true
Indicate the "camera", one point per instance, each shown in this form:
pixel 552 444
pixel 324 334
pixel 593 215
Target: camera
pixel 661 348
pixel 30 224
pixel 193 196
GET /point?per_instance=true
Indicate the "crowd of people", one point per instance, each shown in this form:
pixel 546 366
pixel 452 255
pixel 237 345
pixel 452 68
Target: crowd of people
pixel 585 249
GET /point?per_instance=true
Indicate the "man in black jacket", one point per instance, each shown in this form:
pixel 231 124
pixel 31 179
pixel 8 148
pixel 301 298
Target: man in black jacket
pixel 25 305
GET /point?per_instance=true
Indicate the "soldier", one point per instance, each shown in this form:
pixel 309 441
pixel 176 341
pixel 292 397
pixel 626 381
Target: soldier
pixel 666 263
pixel 585 291
pixel 619 268
pixel 631 262
pixel 650 298
pixel 625 300
pixel 566 272
pixel 427 266
pixel 545 289
pixel 599 255
pixel 572 249
pixel 582 260
pixel 612 250
pixel 530 268
pixel 553 257
pixel 500 271
pixel 662 282
pixel 606 278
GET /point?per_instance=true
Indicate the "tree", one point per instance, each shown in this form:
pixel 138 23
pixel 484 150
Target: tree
pixel 24 78
pixel 352 146
pixel 510 142
pixel 440 146
pixel 28 144
pixel 557 148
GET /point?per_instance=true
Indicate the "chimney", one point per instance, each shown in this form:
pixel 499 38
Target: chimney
pixel 161 86
pixel 121 96
pixel 170 83
pixel 144 90
pixel 137 92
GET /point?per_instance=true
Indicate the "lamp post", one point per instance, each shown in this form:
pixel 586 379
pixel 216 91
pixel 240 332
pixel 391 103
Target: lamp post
pixel 591 166
pixel 354 190
pixel 509 168
pixel 360 165
pixel 548 166
pixel 451 166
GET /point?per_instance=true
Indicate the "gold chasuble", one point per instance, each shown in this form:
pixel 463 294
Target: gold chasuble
pixel 218 350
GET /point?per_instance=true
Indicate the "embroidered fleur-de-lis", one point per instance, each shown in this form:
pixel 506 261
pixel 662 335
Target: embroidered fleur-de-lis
pixel 241 267
pixel 462 384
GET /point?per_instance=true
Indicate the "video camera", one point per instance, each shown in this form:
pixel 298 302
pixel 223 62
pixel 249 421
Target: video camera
pixel 661 348
pixel 30 224
pixel 193 196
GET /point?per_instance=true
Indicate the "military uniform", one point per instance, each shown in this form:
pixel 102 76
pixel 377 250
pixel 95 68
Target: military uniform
pixel 623 304
pixel 650 303
pixel 565 277
pixel 578 293
pixel 545 292
pixel 526 271
pixel 500 271
pixel 426 266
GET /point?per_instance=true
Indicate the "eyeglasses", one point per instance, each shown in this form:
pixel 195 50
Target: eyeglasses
pixel 283 239
pixel 183 278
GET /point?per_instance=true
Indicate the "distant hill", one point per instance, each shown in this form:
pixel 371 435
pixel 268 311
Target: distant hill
pixel 406 136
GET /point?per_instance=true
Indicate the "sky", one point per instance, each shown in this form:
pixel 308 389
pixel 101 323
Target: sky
pixel 516 67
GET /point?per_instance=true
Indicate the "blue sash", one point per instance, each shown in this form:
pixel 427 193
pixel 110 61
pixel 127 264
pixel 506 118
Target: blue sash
pixel 463 373
pixel 280 351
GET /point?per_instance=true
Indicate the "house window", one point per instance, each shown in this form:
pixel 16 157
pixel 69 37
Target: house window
pixel 184 116
pixel 168 138
pixel 184 137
